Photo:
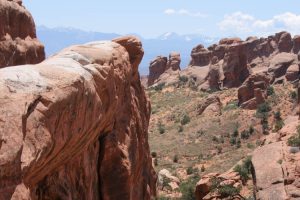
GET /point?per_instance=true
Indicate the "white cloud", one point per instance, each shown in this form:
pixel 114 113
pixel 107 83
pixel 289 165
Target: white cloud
pixel 184 12
pixel 243 24
pixel 169 11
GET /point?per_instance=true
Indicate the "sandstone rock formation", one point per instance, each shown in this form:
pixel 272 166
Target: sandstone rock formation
pixel 253 91
pixel 76 126
pixel 203 188
pixel 277 166
pixel 211 103
pixel 237 59
pixel 163 66
pixel 18 42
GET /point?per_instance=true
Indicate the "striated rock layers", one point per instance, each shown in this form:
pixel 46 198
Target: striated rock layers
pixel 162 65
pixel 76 126
pixel 237 59
pixel 18 42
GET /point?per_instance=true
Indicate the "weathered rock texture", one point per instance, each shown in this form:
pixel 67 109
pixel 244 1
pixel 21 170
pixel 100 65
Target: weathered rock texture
pixel 237 59
pixel 162 66
pixel 18 42
pixel 253 91
pixel 277 166
pixel 75 126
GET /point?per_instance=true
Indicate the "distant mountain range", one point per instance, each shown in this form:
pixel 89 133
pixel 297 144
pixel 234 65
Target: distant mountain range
pixel 56 39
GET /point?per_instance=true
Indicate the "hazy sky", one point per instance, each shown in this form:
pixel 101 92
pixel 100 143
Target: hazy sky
pixel 154 17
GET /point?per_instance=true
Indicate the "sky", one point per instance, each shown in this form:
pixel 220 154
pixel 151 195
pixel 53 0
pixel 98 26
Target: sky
pixel 151 18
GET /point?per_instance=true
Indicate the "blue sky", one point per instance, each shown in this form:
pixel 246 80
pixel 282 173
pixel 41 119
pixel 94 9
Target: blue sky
pixel 154 17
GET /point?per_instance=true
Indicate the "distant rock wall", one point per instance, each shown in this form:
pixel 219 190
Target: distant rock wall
pixel 18 42
pixel 76 126
pixel 161 65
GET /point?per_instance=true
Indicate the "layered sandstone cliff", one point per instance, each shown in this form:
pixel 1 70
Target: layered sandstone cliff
pixel 18 42
pixel 76 126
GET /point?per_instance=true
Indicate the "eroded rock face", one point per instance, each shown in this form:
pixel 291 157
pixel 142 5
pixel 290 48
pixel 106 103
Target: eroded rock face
pixel 174 61
pixel 240 59
pixel 75 126
pixel 253 91
pixel 18 42
pixel 277 165
pixel 163 66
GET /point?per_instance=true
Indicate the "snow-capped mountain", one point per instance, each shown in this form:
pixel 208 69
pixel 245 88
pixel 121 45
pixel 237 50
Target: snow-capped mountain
pixel 56 39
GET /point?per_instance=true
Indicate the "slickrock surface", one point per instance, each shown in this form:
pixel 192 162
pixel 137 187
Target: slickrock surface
pixel 76 126
pixel 277 165
pixel 18 42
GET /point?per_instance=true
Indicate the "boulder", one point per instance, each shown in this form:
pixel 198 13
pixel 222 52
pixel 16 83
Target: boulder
pixel 75 126
pixel 253 91
pixel 280 63
pixel 200 56
pixel 212 101
pixel 18 42
pixel 296 44
pixel 292 73
pixel 174 61
pixel 285 43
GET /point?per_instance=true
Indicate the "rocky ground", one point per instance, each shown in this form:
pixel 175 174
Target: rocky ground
pixel 191 132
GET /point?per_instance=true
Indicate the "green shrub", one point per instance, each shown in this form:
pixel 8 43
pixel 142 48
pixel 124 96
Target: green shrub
pixel 153 154
pixel 175 159
pixel 294 141
pixel 189 170
pixel 161 128
pixel 245 134
pixel 232 141
pixel 244 170
pixel 163 198
pixel 202 168
pixel 155 162
pixel 187 189
pixel 228 191
pixel 231 106
pixel 251 130
pixel 235 133
pixel 159 87
pixel 180 129
pixel 185 119
pixel 263 110
pixel 278 121
pixel 219 148
pixel 270 90
pixel 215 139
pixel 293 95
pixel 183 79
pixel 225 191
pixel 238 143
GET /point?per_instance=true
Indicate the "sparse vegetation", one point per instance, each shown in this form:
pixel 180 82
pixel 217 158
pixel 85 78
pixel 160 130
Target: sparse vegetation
pixel 189 170
pixel 153 154
pixel 231 106
pixel 161 127
pixel 270 91
pixel 159 87
pixel 225 191
pixel 244 170
pixel 278 121
pixel 293 95
pixel 185 119
pixel 294 141
pixel 175 159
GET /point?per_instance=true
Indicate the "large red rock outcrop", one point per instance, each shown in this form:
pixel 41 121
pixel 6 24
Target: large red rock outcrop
pixel 238 59
pixel 162 66
pixel 277 165
pixel 253 91
pixel 18 42
pixel 76 126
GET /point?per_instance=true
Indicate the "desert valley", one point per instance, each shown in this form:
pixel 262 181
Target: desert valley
pixel 83 123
